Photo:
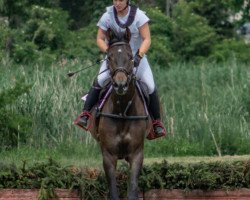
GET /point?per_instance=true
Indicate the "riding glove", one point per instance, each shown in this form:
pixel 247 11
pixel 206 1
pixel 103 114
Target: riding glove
pixel 137 59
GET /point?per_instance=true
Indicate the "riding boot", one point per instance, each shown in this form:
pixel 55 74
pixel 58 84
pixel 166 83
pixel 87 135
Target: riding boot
pixel 154 109
pixel 92 98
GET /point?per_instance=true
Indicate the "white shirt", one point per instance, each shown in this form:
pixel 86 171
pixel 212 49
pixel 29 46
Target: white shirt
pixel 108 21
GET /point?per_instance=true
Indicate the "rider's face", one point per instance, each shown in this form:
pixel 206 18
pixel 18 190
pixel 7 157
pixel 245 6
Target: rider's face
pixel 120 4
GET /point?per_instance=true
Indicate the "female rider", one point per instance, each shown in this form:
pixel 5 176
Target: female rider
pixel 117 17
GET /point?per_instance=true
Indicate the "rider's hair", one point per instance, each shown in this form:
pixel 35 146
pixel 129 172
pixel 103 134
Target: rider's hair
pixel 128 2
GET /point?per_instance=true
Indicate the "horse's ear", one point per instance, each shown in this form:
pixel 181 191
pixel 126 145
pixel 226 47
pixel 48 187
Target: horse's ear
pixel 127 35
pixel 110 35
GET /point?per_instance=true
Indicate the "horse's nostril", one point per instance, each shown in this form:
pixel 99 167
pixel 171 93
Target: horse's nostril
pixel 115 85
pixel 120 84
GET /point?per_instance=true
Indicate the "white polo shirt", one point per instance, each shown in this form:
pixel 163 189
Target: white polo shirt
pixel 108 21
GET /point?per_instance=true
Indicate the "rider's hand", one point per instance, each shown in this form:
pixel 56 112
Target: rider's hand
pixel 137 59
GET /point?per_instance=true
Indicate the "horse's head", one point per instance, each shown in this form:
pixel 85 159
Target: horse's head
pixel 120 61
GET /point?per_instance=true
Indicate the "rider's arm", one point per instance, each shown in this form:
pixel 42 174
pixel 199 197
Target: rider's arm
pixel 145 34
pixel 100 40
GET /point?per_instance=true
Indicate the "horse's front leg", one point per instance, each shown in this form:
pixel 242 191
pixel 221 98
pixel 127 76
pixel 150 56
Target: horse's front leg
pixel 135 167
pixel 109 165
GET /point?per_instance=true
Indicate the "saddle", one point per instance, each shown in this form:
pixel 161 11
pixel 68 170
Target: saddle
pixel 104 94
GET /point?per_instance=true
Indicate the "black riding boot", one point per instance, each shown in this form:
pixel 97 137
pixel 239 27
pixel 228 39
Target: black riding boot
pixel 154 109
pixel 92 98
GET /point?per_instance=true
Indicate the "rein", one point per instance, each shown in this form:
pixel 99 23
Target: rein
pixel 122 116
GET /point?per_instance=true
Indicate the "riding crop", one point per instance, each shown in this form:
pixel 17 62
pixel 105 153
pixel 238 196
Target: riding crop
pixel 70 74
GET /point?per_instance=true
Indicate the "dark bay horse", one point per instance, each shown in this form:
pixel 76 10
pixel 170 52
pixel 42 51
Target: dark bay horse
pixel 123 121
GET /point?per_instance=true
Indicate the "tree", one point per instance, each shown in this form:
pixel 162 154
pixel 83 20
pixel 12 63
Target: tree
pixel 217 13
pixel 192 37
pixel 16 11
pixel 84 11
pixel 242 7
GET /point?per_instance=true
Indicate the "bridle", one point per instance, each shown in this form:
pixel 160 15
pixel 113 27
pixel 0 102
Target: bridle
pixel 130 76
pixel 113 72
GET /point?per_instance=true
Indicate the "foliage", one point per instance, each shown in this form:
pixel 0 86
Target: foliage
pixel 242 6
pixel 199 101
pixel 91 183
pixel 47 28
pixel 204 176
pixel 161 31
pixel 25 52
pixel 44 36
pixel 217 13
pixel 14 126
pixel 16 11
pixel 82 44
pixel 192 38
pixel 56 30
pixel 4 35
pixel 84 11
pixel 231 48
pixel 202 101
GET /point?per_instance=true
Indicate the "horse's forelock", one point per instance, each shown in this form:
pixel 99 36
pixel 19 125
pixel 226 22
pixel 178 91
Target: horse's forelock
pixel 114 36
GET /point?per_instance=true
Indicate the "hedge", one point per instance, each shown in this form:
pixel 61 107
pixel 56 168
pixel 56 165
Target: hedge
pixel 91 182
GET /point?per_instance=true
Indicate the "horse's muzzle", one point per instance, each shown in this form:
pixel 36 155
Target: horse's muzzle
pixel 121 87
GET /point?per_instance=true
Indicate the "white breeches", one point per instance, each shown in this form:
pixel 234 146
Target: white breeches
pixel 143 73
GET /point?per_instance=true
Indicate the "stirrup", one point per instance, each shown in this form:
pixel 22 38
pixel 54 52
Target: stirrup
pixel 80 124
pixel 153 135
pixel 158 130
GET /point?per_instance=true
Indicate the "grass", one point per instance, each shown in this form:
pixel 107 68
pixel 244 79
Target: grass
pixel 197 159
pixel 206 111
pixel 77 155
pixel 81 158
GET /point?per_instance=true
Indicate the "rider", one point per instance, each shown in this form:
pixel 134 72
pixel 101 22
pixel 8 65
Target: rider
pixel 117 17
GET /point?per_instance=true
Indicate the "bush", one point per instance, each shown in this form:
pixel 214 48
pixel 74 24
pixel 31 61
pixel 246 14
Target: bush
pixel 47 28
pixel 15 127
pixel 43 37
pixel 217 14
pixel 229 48
pixel 161 30
pixel 25 52
pixel 4 37
pixel 82 44
pixel 91 183
pixel 192 38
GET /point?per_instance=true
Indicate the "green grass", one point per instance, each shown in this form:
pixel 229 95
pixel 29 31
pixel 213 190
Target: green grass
pixel 206 110
pixel 77 155
pixel 80 156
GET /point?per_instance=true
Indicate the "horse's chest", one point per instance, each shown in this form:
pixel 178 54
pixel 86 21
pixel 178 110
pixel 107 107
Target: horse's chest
pixel 121 143
pixel 124 143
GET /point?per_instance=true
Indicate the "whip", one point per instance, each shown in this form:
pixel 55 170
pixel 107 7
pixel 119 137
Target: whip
pixel 70 74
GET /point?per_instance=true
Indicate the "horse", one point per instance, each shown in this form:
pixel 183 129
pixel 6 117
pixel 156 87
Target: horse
pixel 123 121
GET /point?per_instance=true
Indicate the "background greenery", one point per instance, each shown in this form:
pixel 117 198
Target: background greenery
pixel 206 108
pixel 194 30
pixel 200 64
